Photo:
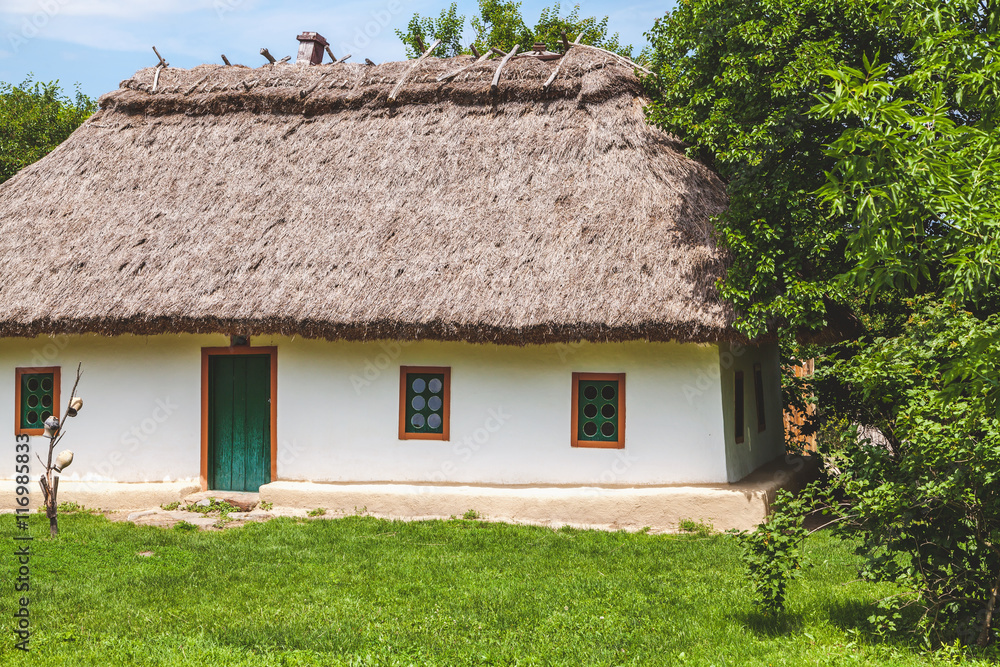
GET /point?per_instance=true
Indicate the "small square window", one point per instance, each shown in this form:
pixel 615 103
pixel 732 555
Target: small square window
pixel 424 402
pixel 598 410
pixel 740 414
pixel 758 393
pixel 37 397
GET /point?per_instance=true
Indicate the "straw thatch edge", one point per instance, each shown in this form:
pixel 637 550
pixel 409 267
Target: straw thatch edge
pixel 387 330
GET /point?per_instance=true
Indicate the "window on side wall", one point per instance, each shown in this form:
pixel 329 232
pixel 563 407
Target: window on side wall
pixel 758 392
pixel 37 398
pixel 598 410
pixel 740 420
pixel 424 402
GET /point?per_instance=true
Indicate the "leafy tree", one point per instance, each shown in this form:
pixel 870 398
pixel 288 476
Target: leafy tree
pixel 551 27
pixel 501 24
pixel 448 27
pixel 736 81
pixel 34 119
pixel 858 140
pixel 915 173
pixel 924 484
pixel 917 169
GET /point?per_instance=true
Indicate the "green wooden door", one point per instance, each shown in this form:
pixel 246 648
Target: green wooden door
pixel 239 422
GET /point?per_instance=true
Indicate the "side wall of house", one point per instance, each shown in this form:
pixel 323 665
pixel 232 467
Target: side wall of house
pixel 338 405
pixel 758 446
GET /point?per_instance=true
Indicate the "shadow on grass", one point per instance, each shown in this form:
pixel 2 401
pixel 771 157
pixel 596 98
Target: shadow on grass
pixel 782 624
pixel 852 615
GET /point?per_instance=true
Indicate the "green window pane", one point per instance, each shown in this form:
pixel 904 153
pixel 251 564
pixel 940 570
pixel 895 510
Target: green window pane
pixel 424 403
pixel 597 411
pixel 36 399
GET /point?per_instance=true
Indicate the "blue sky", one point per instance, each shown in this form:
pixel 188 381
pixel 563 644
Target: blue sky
pixel 98 43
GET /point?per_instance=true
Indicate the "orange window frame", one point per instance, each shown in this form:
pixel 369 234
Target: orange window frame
pixel 574 422
pixel 56 385
pixel 445 433
pixel 206 353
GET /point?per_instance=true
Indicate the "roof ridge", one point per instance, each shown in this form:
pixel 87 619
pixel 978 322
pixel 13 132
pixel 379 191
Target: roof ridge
pixel 583 74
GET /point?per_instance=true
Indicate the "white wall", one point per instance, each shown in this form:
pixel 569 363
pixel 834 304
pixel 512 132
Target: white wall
pixel 141 419
pixel 354 389
pixel 510 410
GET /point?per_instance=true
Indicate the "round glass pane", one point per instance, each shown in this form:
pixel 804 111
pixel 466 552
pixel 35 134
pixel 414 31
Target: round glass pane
pixel 418 402
pixel 435 403
pixel 608 411
pixel 434 421
pixel 608 429
pixel 417 421
pixel 434 385
pixel 608 392
pixel 590 429
pixel 590 411
pixel 33 384
pixel 47 401
pixel 47 384
pixel 419 385
pixel 32 401
pixel 46 415
pixel 590 393
pixel 32 417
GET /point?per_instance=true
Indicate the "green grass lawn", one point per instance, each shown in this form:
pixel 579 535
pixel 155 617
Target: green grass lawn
pixel 362 591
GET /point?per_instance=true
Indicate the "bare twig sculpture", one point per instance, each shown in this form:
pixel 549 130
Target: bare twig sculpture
pixel 54 432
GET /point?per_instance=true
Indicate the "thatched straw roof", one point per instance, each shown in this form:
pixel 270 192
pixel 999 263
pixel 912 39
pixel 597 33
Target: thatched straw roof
pixel 302 200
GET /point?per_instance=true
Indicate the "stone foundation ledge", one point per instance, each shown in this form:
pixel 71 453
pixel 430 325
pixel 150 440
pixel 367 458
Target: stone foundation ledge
pixel 584 507
pixel 741 505
pixel 103 495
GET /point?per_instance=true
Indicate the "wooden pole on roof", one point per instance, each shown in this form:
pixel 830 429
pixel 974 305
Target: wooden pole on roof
pixel 192 88
pixel 414 66
pixel 496 75
pixel 454 73
pixel 568 46
pixel 343 59
pixel 621 59
pixel 475 51
pixel 160 66
pixel 267 54
pixel 226 60
pixel 333 58
pixel 162 63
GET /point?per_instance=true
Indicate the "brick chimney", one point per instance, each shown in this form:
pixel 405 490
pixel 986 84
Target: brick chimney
pixel 311 45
